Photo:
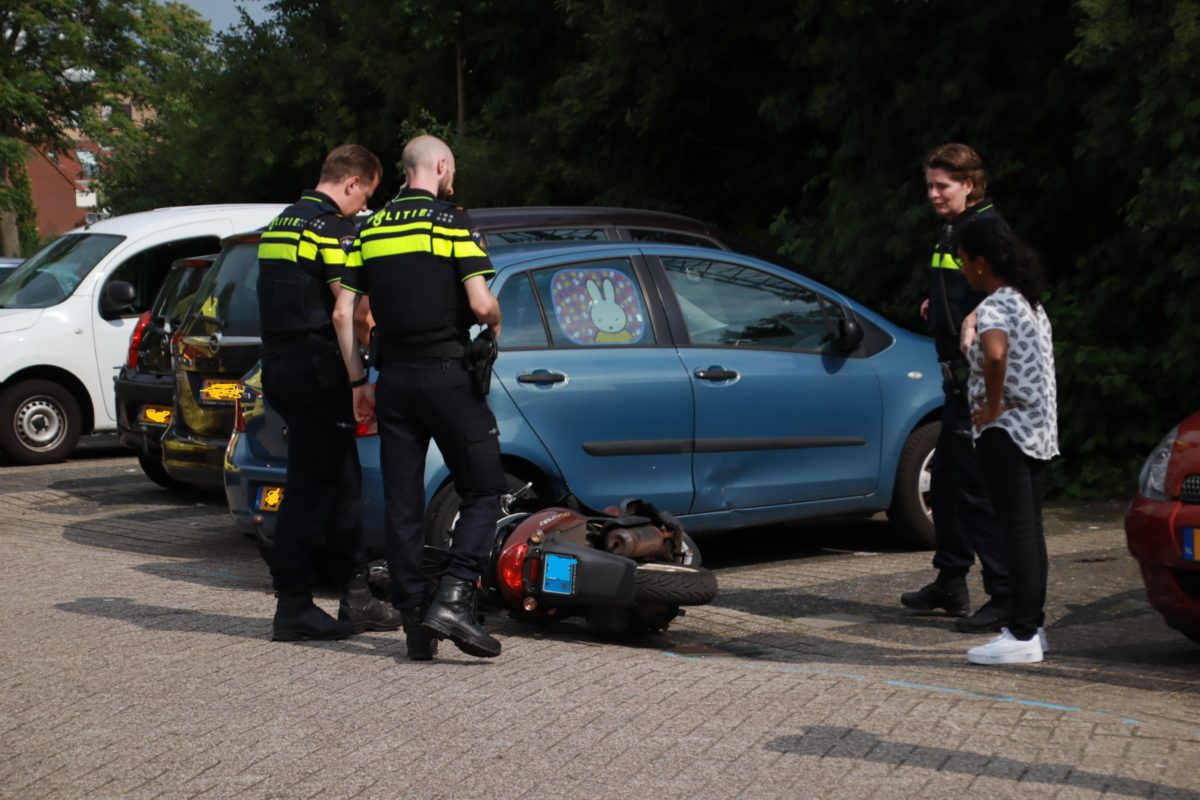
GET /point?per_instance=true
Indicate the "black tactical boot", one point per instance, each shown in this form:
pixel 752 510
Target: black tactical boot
pixel 297 619
pixel 419 642
pixel 451 615
pixel 991 616
pixel 948 592
pixel 361 608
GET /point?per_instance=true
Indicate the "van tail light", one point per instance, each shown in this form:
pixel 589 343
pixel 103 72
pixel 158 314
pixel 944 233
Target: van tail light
pixel 135 340
pixel 245 395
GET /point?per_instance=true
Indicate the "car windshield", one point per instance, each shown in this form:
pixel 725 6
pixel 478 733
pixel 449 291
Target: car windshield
pixel 227 300
pixel 51 276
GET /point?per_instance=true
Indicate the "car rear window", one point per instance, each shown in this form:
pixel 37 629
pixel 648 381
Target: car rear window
pixel 178 290
pixel 228 295
pixel 670 237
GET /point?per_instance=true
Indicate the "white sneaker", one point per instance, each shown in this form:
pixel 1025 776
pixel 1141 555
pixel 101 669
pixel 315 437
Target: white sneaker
pixel 1045 642
pixel 1006 649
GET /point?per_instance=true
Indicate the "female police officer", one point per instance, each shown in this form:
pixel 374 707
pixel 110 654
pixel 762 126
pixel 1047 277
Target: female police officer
pixel 962 515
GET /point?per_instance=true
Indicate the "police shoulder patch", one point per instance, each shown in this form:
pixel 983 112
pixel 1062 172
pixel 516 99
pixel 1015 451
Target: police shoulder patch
pixel 347 243
pixel 479 239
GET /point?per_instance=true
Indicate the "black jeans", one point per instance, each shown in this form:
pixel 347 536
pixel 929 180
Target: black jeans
pixel 418 399
pixel 1015 483
pixel 963 521
pixel 324 483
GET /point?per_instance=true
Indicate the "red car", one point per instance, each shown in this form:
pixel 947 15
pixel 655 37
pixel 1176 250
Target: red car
pixel 1161 526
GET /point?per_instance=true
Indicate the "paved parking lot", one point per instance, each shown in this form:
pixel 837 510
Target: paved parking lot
pixel 136 662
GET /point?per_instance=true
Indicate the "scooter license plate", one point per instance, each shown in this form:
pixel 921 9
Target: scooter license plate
pixel 558 574
pixel 1188 540
pixel 269 498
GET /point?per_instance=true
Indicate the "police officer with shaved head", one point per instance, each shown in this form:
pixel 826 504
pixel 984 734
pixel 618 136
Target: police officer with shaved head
pixel 425 267
pixel 301 257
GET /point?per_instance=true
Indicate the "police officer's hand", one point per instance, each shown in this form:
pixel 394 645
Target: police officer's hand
pixel 364 404
pixel 925 309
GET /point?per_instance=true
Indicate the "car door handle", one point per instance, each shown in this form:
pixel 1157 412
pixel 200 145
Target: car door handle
pixel 716 374
pixel 541 377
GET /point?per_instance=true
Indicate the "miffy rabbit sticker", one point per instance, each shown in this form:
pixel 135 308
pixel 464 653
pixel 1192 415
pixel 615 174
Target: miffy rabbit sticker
pixel 608 317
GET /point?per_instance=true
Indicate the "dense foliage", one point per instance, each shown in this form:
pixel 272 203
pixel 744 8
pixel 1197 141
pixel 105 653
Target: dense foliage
pixel 801 123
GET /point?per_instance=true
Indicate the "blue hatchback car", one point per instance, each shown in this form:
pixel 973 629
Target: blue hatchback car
pixel 725 389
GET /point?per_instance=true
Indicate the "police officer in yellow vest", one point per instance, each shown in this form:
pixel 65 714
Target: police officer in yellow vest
pixel 301 256
pixel 425 267
pixel 962 513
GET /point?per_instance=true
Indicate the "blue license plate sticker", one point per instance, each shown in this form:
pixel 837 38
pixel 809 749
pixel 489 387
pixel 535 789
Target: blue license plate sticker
pixel 558 576
pixel 1189 544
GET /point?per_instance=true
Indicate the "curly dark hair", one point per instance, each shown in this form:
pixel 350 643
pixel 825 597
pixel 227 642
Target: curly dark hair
pixel 1013 261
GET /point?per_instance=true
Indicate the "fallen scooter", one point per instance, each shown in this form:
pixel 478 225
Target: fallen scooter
pixel 629 571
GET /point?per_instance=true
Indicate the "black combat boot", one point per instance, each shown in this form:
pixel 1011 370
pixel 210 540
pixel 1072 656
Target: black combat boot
pixel 949 593
pixel 451 615
pixel 991 616
pixel 361 608
pixel 297 619
pixel 419 642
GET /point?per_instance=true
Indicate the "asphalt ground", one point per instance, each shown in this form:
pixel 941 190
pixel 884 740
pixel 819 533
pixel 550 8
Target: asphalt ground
pixel 135 662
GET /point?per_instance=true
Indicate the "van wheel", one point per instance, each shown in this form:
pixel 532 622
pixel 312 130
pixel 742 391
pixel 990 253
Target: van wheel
pixel 910 512
pixel 40 422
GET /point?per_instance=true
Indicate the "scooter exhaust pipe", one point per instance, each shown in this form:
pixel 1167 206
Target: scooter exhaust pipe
pixel 638 542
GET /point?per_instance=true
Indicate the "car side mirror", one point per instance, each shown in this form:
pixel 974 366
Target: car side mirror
pixel 849 335
pixel 118 296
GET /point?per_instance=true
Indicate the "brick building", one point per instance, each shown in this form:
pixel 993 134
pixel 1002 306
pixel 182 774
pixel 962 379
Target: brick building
pixel 62 184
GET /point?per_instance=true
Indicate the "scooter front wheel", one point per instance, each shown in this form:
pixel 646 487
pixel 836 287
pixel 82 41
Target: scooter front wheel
pixel 674 584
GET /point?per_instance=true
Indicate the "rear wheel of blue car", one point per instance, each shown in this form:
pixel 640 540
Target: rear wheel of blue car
pixel 442 514
pixel 910 514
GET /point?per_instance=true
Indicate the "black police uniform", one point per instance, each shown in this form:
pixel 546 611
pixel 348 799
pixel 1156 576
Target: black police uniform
pixel 412 258
pixel 302 251
pixel 962 514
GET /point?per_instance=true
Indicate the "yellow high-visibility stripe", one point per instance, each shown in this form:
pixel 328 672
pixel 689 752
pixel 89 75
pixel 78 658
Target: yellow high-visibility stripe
pixel 453 232
pixel 468 249
pixel 321 239
pixel 333 255
pixel 377 248
pixel 384 230
pixel 277 252
pixel 307 250
pixel 443 247
pixel 354 260
pixel 945 261
pixel 285 235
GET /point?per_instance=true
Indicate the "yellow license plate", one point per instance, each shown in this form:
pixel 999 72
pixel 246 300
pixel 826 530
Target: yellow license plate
pixel 269 498
pixel 218 391
pixel 155 415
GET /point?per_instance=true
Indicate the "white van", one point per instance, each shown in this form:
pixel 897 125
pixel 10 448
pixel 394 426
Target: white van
pixel 64 334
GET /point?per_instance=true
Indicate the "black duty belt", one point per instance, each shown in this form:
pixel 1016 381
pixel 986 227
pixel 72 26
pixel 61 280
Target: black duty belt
pixel 291 342
pixel 391 350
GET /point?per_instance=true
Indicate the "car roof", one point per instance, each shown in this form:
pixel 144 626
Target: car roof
pixel 242 214
pixel 500 218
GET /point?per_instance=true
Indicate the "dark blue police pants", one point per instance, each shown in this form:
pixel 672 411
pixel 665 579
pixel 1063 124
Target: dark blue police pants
pixel 1015 483
pixel 418 399
pixel 963 521
pixel 324 483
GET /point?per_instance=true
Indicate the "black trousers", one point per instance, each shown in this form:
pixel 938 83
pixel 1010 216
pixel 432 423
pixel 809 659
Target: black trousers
pixel 324 484
pixel 418 399
pixel 1015 483
pixel 963 521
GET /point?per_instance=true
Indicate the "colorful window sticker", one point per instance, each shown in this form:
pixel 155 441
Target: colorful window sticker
pixel 597 306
